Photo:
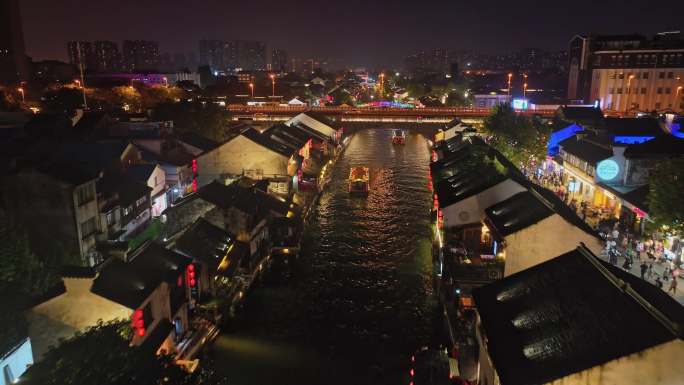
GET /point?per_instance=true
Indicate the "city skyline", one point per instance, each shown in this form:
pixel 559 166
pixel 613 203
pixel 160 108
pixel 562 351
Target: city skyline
pixel 350 34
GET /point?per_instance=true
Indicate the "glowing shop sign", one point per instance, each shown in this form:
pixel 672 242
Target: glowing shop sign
pixel 520 104
pixel 607 169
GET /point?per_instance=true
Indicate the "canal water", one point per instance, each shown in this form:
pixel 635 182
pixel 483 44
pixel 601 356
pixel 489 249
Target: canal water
pixel 360 298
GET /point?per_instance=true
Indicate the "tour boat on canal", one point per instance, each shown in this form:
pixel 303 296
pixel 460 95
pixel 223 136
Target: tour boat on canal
pixel 399 137
pixel 359 180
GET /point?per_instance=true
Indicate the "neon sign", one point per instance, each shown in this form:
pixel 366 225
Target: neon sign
pixel 607 169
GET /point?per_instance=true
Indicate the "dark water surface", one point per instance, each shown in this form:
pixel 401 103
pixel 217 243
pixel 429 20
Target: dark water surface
pixel 359 300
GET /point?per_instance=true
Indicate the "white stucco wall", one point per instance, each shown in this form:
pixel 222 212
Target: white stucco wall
pixel 236 156
pixel 660 365
pixel 543 241
pixel 471 209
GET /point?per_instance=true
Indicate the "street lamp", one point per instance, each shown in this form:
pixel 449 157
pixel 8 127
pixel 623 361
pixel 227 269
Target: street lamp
pixel 78 83
pixel 251 89
pixel 23 100
pixel 629 90
pixel 524 90
pixel 166 81
pixel 382 85
pixel 510 76
pixel 273 84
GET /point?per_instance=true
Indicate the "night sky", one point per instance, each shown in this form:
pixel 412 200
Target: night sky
pixel 351 32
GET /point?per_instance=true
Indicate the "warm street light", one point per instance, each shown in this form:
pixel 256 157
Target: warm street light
pixel 629 80
pixel 524 90
pixel 23 100
pixel 78 83
pixel 251 89
pixel 510 76
pixel 679 89
pixel 166 81
pixel 273 84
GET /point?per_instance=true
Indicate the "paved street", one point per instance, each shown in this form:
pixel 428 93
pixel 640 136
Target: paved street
pixel 657 272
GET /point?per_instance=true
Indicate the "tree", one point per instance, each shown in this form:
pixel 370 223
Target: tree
pixel 520 138
pixel 65 100
pixel 208 119
pixel 666 195
pixel 102 355
pixel 22 272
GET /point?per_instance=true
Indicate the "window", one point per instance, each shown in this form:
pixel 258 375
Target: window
pixel 611 90
pixel 660 90
pixel 619 90
pixel 661 75
pixel 657 106
pixel 110 218
pixel 668 90
pixel 140 201
pixel 85 194
pixel 670 75
pixel 622 76
pixel 643 90
pixel 127 210
pixel 644 75
pixel 88 227
pixel 612 76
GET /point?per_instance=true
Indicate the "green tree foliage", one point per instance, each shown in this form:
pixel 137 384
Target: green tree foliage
pixel 22 272
pixel 206 119
pixel 63 100
pixel 102 355
pixel 666 195
pixel 520 138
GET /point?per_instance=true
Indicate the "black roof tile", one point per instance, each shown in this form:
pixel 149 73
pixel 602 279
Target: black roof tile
pixel 567 315
pixel 130 283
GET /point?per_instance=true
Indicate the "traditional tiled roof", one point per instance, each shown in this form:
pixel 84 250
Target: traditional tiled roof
pixel 517 212
pixel 130 283
pixel 198 141
pixel 658 148
pixel 266 141
pixel 632 127
pixel 570 314
pixel 209 244
pixel 585 150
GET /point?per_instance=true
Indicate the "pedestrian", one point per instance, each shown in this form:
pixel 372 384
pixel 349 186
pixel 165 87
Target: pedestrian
pixel 667 273
pixel 658 283
pixel 649 273
pixel 644 268
pixel 673 286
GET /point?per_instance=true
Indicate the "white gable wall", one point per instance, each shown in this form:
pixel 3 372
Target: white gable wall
pixel 237 156
pixel 471 209
pixel 542 241
pixel 659 365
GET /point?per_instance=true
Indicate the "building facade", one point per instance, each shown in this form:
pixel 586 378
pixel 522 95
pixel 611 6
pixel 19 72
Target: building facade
pixel 628 72
pixel 14 66
pixel 140 55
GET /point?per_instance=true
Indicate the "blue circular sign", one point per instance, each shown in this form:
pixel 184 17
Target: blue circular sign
pixel 607 169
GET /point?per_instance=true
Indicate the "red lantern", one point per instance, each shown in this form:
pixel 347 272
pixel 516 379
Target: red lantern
pixel 190 275
pixel 138 322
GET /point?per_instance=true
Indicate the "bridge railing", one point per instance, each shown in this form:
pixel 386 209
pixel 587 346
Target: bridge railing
pixel 389 111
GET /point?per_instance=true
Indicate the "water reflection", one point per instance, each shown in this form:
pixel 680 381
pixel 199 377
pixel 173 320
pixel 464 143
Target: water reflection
pixel 360 299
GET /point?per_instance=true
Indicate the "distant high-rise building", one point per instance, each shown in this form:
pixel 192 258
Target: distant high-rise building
pixel 179 61
pixel 279 60
pixel 212 53
pixel 107 56
pixel 251 55
pixel 435 61
pixel 140 55
pixel 626 73
pixel 13 61
pixel 81 51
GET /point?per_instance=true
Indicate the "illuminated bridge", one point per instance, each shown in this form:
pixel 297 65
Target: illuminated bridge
pixel 372 114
